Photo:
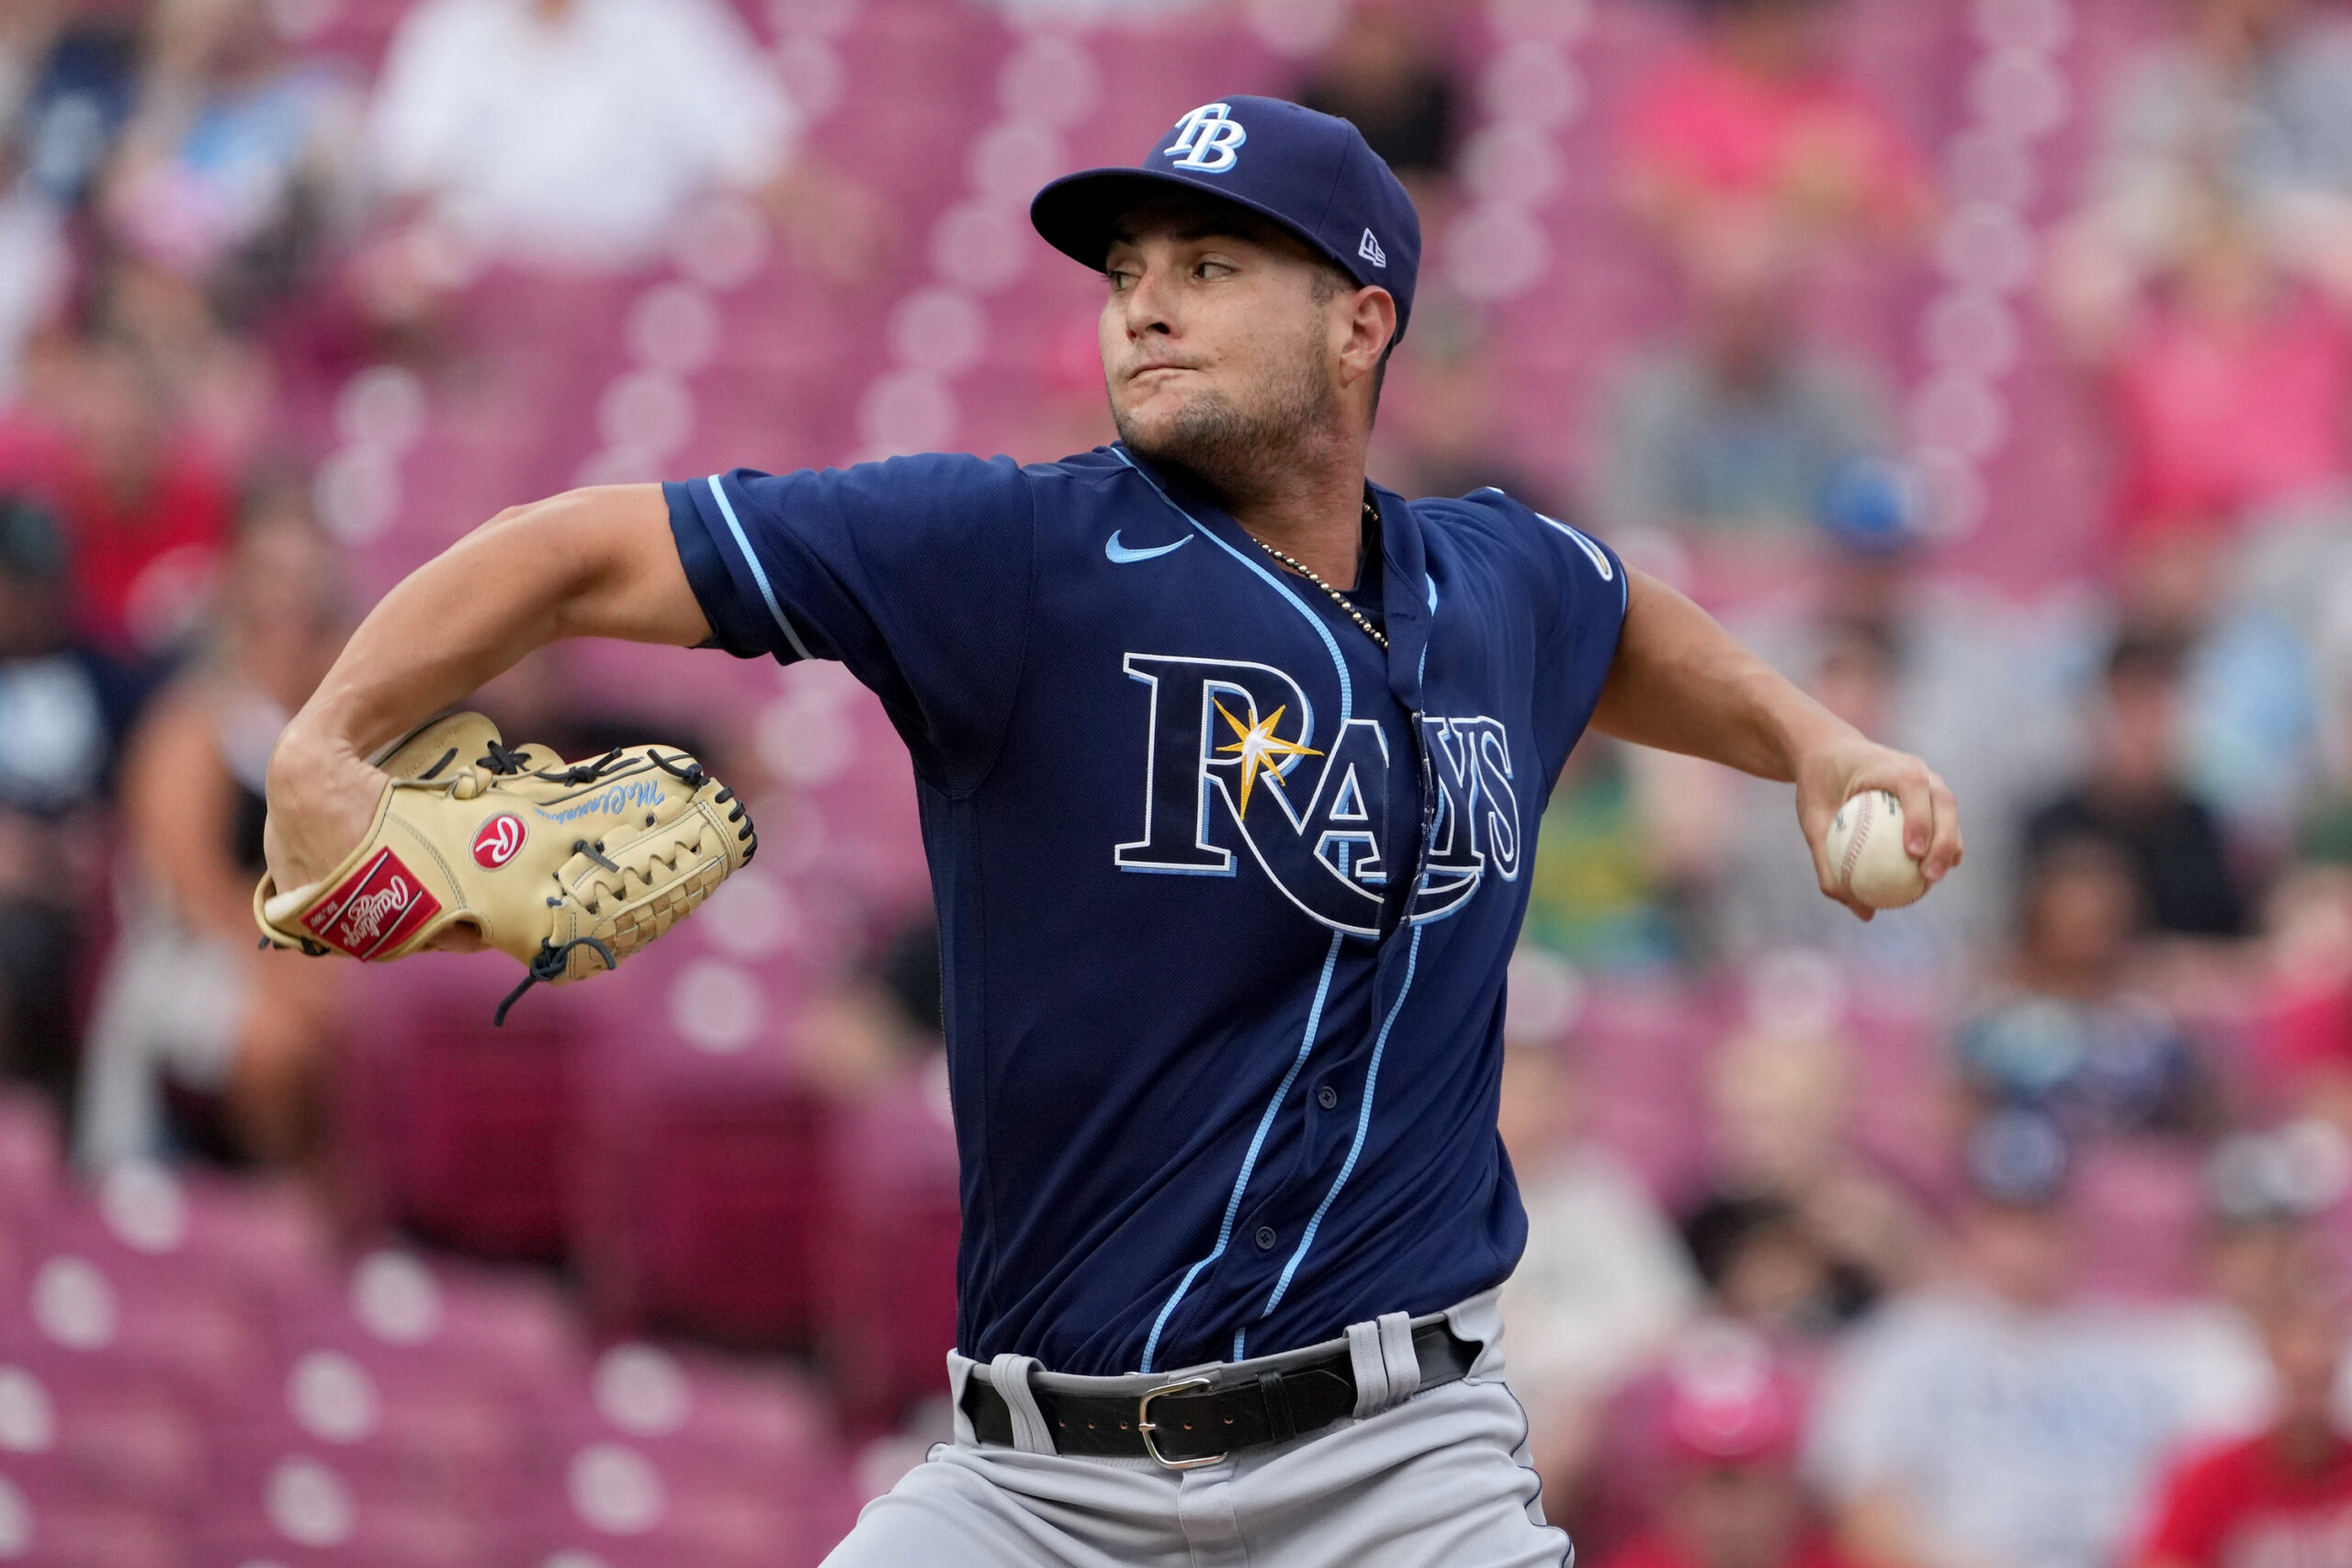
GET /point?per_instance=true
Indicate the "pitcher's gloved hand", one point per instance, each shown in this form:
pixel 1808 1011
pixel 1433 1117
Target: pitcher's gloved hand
pixel 569 866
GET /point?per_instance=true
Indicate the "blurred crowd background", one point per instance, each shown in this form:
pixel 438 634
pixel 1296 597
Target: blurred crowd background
pixel 1987 363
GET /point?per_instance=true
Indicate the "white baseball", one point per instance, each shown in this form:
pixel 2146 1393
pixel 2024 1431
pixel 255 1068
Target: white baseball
pixel 1867 855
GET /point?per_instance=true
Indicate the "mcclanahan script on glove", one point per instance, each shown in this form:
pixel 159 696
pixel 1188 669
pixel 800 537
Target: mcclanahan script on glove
pixel 568 866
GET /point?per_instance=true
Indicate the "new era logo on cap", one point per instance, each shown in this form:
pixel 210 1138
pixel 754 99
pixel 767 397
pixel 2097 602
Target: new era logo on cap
pixel 1370 250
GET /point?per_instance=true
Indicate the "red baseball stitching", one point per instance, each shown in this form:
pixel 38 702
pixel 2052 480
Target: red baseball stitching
pixel 1854 844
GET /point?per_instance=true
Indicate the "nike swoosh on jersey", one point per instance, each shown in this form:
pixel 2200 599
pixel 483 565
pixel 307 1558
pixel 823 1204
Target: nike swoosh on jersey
pixel 1121 554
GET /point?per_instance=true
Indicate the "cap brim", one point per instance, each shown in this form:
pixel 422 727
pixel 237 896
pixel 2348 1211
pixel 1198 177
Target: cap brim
pixel 1078 214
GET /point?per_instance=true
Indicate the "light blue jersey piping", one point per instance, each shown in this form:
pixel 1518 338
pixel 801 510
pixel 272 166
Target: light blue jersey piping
pixel 1363 1125
pixel 1249 1161
pixel 759 573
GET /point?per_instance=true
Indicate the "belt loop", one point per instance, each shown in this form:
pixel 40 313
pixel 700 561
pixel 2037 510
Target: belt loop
pixel 1009 1375
pixel 1398 1355
pixel 959 1377
pixel 1371 1369
pixel 1281 1427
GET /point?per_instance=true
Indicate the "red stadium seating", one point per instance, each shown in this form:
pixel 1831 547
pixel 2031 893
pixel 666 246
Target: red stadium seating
pixel 459 1130
pixel 888 1310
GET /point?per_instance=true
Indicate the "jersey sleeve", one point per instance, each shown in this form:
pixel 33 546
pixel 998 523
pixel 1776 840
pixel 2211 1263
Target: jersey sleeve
pixel 1579 593
pixel 916 573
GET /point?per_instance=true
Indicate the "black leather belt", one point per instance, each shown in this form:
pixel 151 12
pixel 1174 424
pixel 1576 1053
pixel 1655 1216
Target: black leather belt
pixel 1188 1422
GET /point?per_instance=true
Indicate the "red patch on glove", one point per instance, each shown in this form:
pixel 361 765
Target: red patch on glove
pixel 379 907
pixel 499 840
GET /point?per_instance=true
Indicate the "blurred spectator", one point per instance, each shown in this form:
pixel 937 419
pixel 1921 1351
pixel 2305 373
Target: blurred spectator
pixel 570 134
pixel 144 504
pixel 1730 1495
pixel 1601 893
pixel 35 265
pixel 1756 132
pixel 27 32
pixel 1767 1267
pixel 2264 1190
pixel 2210 269
pixel 2070 1039
pixel 1438 432
pixel 2233 386
pixel 239 155
pixel 65 88
pixel 1602 1283
pixel 1741 428
pixel 64 709
pixel 883 1023
pixel 217 383
pixel 2260 1255
pixel 1799 1232
pixel 68 76
pixel 1748 155
pixel 1995 1420
pixel 202 1043
pixel 2304 1022
pixel 2285 1495
pixel 1382 75
pixel 2133 799
pixel 2248 108
pixel 2266 682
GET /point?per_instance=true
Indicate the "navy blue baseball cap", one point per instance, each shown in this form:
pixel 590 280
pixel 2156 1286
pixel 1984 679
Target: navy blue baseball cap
pixel 1313 173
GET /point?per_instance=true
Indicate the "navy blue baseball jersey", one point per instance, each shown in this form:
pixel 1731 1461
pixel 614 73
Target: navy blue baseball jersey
pixel 1225 893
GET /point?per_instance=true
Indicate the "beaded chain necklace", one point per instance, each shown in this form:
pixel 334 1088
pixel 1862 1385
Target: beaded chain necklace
pixel 1372 521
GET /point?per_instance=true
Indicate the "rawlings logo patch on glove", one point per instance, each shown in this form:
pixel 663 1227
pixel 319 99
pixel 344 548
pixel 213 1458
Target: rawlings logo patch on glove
pixel 569 866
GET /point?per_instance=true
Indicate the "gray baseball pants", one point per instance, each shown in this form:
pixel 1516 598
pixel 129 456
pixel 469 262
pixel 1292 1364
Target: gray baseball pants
pixel 1440 1479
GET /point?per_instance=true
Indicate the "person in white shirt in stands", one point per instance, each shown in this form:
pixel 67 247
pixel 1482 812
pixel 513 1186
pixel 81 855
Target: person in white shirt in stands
pixel 570 135
pixel 2002 1421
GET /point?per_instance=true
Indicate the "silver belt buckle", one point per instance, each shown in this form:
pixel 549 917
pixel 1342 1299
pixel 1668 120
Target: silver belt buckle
pixel 1146 1427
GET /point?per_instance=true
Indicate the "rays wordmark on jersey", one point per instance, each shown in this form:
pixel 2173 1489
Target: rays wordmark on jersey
pixel 1236 769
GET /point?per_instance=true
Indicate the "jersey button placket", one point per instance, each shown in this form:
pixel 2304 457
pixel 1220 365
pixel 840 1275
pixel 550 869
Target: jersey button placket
pixel 1328 1098
pixel 1266 1238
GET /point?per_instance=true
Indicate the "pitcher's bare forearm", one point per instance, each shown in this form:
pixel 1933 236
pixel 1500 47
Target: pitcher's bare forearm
pixel 588 563
pixel 597 562
pixel 1682 683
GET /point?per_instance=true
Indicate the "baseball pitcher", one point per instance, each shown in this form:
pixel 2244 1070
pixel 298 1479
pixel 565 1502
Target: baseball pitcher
pixel 1230 767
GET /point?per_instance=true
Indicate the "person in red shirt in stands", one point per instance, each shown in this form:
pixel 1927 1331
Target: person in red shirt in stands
pixel 2285 1495
pixel 1757 125
pixel 146 507
pixel 1731 1496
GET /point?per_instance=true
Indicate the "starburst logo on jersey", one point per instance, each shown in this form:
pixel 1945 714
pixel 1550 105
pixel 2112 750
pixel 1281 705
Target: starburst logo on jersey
pixel 1234 772
pixel 1258 742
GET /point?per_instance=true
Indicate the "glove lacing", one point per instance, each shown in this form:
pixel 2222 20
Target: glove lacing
pixel 547 967
pixel 500 760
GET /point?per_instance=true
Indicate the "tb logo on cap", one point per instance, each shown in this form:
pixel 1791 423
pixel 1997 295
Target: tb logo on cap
pixel 1208 139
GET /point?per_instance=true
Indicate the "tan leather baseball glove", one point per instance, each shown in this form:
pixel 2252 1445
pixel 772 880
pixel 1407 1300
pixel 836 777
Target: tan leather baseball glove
pixel 569 866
